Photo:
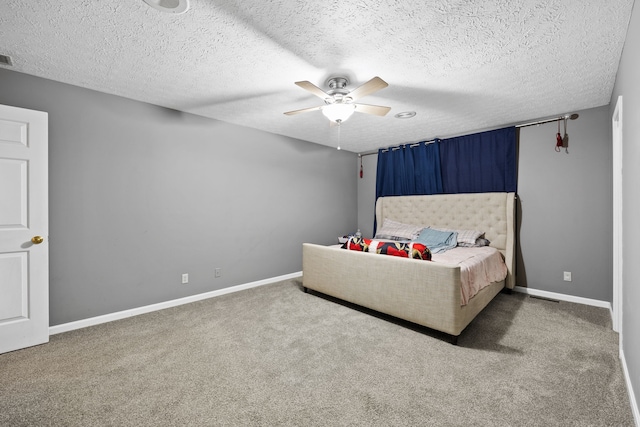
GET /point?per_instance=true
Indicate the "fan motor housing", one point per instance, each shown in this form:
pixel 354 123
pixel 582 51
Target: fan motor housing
pixel 337 85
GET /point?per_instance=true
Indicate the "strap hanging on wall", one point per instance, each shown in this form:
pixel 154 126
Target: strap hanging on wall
pixel 562 141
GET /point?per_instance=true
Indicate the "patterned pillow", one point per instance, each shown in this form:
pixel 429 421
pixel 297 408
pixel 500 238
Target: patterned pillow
pixel 401 249
pixel 465 237
pixel 394 230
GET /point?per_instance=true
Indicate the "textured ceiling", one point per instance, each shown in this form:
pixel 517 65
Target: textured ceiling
pixel 462 65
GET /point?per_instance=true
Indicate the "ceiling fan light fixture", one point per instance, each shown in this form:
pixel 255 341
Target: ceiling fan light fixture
pixel 338 112
pixel 169 6
pixel 339 101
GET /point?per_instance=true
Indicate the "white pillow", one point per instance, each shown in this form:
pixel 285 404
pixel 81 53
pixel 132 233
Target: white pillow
pixel 394 230
pixel 466 237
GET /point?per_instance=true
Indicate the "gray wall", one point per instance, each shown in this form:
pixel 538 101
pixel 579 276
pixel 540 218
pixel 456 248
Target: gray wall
pixel 565 207
pixel 367 194
pixel 140 194
pixel 627 86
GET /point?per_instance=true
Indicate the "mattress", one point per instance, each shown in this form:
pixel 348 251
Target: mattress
pixel 479 267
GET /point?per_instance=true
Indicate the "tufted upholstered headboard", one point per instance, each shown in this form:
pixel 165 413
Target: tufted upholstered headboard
pixel 493 213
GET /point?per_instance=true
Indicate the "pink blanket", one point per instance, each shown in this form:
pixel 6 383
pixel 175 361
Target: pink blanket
pixel 479 267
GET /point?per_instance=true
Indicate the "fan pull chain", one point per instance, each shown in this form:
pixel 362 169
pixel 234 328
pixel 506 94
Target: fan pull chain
pixel 361 174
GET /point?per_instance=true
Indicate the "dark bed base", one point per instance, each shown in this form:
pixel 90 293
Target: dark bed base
pixel 452 339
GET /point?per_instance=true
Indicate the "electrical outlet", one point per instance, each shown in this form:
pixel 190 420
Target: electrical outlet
pixel 185 278
pixel 218 272
pixel 567 276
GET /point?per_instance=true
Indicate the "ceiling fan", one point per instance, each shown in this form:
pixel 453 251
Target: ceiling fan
pixel 339 101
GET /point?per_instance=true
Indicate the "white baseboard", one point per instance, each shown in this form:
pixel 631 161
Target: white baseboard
pixel 563 297
pixel 66 327
pixel 632 396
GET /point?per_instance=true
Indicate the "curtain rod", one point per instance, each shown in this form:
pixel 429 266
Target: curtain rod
pixel 368 153
pixel 555 119
pixel 410 144
pixel 522 125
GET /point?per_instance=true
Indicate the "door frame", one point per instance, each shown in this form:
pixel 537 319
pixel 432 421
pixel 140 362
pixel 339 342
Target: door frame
pixel 617 146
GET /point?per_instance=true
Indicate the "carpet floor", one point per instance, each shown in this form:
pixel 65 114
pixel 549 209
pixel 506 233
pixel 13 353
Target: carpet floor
pixel 275 356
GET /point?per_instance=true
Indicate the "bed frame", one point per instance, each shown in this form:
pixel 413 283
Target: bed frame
pixel 421 292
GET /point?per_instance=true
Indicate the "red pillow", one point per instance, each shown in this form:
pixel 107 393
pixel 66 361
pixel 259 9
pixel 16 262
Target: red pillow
pixel 401 249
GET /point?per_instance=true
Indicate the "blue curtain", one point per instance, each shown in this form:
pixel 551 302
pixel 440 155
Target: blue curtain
pixel 481 162
pixel 406 171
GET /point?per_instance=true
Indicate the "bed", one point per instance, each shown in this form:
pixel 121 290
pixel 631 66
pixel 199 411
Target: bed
pixel 427 293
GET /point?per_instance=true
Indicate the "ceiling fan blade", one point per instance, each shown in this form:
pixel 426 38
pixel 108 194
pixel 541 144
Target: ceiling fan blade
pixel 304 110
pixel 310 87
pixel 373 85
pixel 377 110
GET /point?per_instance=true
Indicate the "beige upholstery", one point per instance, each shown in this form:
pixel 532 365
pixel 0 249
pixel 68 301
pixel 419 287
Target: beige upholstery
pixel 418 291
pixel 492 213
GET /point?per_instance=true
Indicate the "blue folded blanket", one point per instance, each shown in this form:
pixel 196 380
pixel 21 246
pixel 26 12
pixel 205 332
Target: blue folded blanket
pixel 437 241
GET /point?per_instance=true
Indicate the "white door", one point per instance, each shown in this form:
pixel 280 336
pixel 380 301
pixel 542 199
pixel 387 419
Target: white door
pixel 24 245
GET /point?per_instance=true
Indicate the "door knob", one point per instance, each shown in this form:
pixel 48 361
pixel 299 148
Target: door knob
pixel 36 240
